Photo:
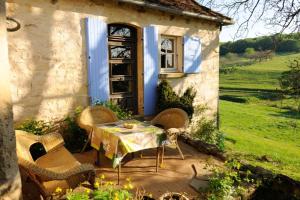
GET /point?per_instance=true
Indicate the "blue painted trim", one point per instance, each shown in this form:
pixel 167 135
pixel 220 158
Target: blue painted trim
pixel 192 54
pixel 97 59
pixel 151 69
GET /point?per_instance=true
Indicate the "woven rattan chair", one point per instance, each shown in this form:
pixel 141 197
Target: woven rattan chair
pixel 57 168
pixel 174 121
pixel 94 115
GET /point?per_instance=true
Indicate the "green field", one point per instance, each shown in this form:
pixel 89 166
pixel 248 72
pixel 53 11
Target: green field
pixel 263 124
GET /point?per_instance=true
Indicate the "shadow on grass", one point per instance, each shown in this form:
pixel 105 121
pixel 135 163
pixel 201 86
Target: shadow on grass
pixel 291 114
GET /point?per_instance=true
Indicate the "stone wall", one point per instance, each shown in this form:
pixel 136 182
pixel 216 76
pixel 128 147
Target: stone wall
pixel 10 182
pixel 48 54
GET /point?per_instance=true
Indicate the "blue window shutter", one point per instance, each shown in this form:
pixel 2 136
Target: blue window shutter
pixel 192 54
pixel 97 55
pixel 151 69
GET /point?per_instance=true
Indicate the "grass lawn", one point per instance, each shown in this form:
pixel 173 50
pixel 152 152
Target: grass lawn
pixel 264 125
pixel 262 75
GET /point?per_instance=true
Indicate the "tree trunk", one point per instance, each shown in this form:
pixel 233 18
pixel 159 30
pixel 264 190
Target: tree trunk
pixel 10 183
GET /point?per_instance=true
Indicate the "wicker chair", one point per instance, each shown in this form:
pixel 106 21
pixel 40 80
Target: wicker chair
pixel 94 115
pixel 174 121
pixel 57 168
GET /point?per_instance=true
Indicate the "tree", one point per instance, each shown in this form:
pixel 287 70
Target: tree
pixel 249 52
pixel 289 45
pixel 290 81
pixel 284 14
pixel 10 184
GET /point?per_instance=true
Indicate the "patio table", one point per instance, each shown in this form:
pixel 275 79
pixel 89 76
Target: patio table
pixel 117 141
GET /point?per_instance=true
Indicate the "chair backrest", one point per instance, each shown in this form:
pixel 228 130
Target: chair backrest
pixel 95 115
pixel 25 140
pixel 171 118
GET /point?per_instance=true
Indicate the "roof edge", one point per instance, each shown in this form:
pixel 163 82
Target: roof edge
pixel 220 20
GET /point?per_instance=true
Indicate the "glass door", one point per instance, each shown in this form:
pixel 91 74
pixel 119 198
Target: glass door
pixel 123 67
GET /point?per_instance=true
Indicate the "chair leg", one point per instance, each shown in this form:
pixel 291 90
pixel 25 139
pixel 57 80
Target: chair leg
pixel 91 177
pixel 98 158
pixel 86 143
pixel 180 152
pixel 162 155
pixel 157 158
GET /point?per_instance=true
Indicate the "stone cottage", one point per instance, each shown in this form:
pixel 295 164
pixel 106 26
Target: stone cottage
pixel 71 53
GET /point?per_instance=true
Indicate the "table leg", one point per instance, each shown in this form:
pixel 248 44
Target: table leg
pixel 157 158
pixel 119 173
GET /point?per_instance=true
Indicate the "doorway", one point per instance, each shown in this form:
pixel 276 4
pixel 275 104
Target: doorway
pixel 122 48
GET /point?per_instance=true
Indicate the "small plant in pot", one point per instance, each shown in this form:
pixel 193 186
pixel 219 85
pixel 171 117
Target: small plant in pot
pixel 173 196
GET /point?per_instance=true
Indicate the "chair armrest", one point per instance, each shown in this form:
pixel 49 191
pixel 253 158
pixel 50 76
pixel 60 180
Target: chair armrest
pixel 49 175
pixel 52 141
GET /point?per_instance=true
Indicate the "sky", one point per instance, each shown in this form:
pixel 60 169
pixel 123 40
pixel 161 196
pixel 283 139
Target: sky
pixel 256 28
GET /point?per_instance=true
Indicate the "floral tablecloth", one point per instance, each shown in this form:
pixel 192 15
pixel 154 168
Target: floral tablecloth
pixel 117 141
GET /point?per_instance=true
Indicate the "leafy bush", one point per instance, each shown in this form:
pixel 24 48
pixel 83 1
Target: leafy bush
pixel 231 56
pixel 104 190
pixel 77 196
pixel 249 51
pixel 227 70
pixel 206 129
pixel 167 98
pixel 227 183
pixel 120 112
pixel 290 80
pixel 36 127
pixel 73 135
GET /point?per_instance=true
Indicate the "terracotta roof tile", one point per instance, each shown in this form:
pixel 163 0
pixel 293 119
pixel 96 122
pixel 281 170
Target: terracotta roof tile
pixel 185 7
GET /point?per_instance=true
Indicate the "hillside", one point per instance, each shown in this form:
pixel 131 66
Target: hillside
pixel 284 43
pixel 256 122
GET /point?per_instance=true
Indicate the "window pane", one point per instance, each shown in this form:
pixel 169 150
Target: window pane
pixel 121 69
pixel 163 60
pixel 120 52
pixel 170 61
pixel 167 45
pixel 119 31
pixel 121 86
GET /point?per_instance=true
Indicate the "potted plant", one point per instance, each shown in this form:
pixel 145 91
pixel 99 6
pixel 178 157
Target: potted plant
pixel 173 196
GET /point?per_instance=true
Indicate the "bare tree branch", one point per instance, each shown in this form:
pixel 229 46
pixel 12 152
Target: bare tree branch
pixel 278 14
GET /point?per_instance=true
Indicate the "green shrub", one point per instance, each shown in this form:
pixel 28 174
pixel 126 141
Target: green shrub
pixel 77 196
pixel 207 132
pixel 249 52
pixel 227 70
pixel 227 183
pixel 206 129
pixel 36 127
pixel 220 186
pixel 73 135
pixel 120 112
pixel 104 190
pixel 167 98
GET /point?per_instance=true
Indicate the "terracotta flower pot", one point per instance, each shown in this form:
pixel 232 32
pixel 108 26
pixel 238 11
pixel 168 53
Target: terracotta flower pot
pixel 173 196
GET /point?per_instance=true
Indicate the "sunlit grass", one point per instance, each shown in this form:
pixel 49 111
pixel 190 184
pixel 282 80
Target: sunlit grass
pixel 264 125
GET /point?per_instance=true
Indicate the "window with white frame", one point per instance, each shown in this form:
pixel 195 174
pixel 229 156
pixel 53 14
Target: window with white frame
pixel 168 54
